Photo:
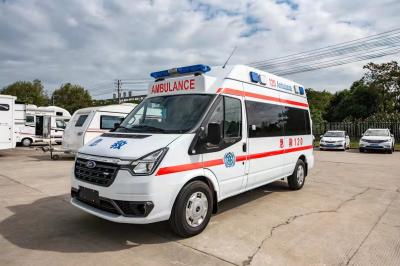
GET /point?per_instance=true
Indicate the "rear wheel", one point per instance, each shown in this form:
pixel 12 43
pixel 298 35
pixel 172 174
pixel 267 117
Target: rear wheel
pixel 297 179
pixel 26 142
pixel 192 209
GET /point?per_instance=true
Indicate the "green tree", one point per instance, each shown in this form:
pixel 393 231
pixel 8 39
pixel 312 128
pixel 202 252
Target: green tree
pixel 27 92
pixel 360 102
pixel 385 78
pixel 318 101
pixel 71 97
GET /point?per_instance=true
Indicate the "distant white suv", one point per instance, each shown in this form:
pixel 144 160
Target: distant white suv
pixel 377 139
pixel 334 140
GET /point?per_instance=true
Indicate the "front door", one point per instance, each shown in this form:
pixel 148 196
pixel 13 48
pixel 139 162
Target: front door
pixel 227 160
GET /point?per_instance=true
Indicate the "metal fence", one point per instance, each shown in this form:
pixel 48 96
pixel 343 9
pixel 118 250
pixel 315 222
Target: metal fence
pixel 355 129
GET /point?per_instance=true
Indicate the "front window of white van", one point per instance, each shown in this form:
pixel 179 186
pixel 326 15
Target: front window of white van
pixel 60 123
pixel 167 114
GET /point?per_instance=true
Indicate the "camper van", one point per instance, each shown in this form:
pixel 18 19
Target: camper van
pixel 88 123
pixel 212 133
pixel 32 122
pixel 7 135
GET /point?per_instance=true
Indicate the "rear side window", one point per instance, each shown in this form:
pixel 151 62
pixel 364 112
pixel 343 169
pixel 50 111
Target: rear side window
pixel 81 120
pixel 297 121
pixel 108 121
pixel 266 118
pixel 4 107
pixel 30 119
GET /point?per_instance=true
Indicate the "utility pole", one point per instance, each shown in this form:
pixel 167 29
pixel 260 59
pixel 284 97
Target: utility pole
pixel 119 90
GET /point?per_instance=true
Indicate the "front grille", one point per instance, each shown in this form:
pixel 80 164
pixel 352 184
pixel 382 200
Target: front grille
pixel 102 174
pixel 374 141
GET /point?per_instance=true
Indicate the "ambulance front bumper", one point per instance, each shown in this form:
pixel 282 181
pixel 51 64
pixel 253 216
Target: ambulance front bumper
pixel 129 199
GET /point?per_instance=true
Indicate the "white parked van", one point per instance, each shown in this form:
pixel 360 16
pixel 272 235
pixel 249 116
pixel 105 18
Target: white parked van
pixel 7 135
pixel 31 122
pixel 88 123
pixel 212 133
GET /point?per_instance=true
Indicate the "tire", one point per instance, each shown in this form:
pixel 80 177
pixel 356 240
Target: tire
pixel 194 195
pixel 26 142
pixel 321 149
pixel 344 147
pixel 297 179
pixel 361 150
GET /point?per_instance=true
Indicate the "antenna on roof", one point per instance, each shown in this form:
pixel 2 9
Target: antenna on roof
pixel 227 60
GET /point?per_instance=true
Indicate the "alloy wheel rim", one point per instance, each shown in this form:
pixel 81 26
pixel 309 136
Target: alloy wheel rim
pixel 300 175
pixel 196 209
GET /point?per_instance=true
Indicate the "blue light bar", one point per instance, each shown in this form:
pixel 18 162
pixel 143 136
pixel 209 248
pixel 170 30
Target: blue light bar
pixel 301 90
pixel 255 77
pixel 181 70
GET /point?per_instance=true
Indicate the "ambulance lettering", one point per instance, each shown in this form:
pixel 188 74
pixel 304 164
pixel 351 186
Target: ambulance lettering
pixel 178 85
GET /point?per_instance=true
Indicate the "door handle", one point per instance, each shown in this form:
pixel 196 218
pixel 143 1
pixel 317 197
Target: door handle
pixel 244 147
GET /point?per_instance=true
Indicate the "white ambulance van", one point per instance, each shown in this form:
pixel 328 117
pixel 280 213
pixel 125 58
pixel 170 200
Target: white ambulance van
pixel 7 135
pixel 89 123
pixel 212 133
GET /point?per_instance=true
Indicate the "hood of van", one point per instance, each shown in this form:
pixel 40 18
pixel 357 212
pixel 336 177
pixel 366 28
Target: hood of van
pixel 127 146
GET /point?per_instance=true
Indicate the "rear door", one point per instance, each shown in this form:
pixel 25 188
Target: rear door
pixel 265 135
pixel 6 124
pixel 75 131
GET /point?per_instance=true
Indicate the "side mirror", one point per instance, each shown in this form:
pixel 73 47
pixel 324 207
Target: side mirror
pixel 392 135
pixel 213 133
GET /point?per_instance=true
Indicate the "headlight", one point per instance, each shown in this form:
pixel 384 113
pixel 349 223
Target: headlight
pixel 148 163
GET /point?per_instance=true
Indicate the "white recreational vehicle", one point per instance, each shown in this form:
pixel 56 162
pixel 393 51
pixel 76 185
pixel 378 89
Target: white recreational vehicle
pixel 7 136
pixel 88 123
pixel 31 123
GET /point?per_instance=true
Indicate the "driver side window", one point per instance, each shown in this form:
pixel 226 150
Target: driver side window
pixel 228 114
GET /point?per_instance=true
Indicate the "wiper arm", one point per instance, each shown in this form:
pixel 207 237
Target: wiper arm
pixel 157 129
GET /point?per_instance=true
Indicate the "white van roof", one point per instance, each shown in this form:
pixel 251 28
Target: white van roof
pixel 213 77
pixel 119 108
pixel 7 96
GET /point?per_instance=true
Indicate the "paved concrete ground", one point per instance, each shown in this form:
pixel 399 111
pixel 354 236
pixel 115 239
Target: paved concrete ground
pixel 347 213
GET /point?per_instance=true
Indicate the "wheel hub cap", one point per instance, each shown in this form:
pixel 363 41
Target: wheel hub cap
pixel 196 209
pixel 300 175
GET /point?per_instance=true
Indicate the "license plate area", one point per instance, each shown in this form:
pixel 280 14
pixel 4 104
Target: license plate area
pixel 89 195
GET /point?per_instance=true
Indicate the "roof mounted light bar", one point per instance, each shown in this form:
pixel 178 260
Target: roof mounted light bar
pixel 180 71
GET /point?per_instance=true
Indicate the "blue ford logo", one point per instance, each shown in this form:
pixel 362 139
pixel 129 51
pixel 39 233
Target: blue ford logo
pixel 90 164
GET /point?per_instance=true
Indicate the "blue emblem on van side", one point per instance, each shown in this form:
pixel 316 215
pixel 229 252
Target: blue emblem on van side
pixel 229 159
pixel 97 141
pixel 117 145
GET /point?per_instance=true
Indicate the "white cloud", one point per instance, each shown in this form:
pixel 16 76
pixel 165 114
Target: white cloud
pixel 93 42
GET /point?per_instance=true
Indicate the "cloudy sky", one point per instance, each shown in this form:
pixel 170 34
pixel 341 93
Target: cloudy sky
pixel 94 42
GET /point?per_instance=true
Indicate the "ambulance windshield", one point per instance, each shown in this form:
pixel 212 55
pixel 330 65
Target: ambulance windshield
pixel 167 114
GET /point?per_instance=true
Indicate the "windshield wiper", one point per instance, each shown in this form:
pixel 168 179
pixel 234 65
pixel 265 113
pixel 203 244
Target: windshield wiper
pixel 150 128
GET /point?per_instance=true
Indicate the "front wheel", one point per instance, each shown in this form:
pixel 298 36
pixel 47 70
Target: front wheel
pixel 192 209
pixel 26 142
pixel 297 179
